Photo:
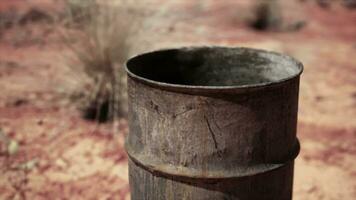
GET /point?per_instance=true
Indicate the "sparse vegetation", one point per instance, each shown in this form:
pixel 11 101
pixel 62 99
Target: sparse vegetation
pixel 100 36
pixel 17 171
pixel 268 15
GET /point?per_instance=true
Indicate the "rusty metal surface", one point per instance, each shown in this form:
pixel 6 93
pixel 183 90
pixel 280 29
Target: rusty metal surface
pixel 212 113
pixel 275 185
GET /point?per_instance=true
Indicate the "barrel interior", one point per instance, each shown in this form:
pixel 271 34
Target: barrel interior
pixel 214 66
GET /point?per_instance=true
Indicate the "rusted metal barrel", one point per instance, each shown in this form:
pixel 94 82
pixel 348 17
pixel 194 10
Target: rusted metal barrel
pixel 212 123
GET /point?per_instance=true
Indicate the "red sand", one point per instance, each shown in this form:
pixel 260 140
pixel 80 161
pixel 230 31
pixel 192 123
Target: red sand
pixel 75 159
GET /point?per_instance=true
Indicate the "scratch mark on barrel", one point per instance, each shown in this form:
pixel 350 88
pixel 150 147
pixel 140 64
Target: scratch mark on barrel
pixel 185 110
pixel 212 135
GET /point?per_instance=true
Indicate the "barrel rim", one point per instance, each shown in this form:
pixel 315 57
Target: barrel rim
pixel 180 87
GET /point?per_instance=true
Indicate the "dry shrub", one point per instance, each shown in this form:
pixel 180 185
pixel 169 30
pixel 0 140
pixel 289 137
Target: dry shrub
pixel 100 36
pixel 275 15
pixel 268 15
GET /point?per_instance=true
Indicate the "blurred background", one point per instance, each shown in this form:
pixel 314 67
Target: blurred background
pixel 63 91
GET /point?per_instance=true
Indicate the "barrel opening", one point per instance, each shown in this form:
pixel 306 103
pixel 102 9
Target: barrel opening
pixel 214 66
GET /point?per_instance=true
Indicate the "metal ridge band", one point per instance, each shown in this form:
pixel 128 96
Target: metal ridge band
pixel 168 170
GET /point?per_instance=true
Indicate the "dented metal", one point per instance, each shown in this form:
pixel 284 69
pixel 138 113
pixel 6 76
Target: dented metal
pixel 212 123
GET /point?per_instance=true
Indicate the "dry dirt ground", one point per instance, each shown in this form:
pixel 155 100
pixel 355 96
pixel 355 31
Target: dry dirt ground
pixel 62 156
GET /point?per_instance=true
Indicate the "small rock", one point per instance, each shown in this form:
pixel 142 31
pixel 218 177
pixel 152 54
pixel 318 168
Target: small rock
pixel 319 98
pixel 40 122
pixel 312 189
pixel 20 102
pixel 12 147
pixel 61 163
pixel 29 165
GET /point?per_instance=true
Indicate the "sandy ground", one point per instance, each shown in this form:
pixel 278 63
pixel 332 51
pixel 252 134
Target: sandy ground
pixel 62 156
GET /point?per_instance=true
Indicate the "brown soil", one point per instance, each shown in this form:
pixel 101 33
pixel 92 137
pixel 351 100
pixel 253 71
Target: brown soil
pixel 76 159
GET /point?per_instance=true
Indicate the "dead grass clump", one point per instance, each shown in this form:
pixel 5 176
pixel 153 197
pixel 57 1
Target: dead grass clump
pixel 269 16
pixel 351 4
pixel 100 36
